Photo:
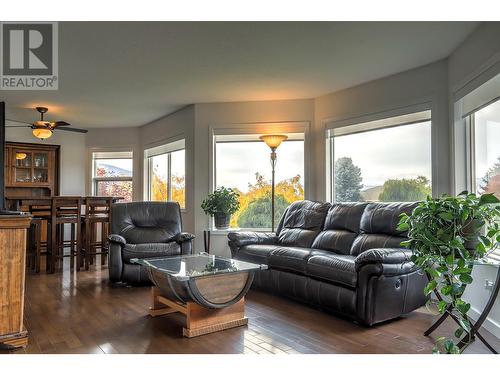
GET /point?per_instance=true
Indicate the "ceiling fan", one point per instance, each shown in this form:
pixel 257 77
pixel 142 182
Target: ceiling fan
pixel 43 129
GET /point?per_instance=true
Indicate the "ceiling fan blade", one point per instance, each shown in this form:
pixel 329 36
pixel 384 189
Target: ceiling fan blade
pixel 21 122
pixel 76 130
pixel 18 126
pixel 60 123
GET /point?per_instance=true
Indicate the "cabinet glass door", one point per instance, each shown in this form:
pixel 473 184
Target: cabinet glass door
pixel 22 166
pixel 41 160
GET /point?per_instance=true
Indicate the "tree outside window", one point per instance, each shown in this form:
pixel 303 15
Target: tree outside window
pixel 382 161
pixel 245 167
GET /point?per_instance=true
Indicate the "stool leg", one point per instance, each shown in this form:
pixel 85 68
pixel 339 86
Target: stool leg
pixel 104 243
pixel 78 237
pixel 94 243
pixel 72 246
pixel 38 244
pixel 53 247
pixel 88 244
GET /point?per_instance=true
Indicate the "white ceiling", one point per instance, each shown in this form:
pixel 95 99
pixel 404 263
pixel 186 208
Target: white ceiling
pixel 114 74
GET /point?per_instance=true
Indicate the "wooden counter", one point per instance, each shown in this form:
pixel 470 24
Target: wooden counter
pixel 12 274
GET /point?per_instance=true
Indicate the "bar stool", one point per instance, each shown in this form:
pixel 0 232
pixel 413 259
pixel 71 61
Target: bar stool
pixel 96 221
pixel 65 210
pixel 41 232
pixel 34 248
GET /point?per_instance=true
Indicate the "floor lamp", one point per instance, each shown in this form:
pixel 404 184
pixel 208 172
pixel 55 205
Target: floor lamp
pixel 273 141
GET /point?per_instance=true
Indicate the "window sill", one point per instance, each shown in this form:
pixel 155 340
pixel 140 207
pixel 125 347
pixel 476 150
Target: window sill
pixel 224 232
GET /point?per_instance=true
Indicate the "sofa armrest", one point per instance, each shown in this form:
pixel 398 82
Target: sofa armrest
pixel 115 266
pixel 183 237
pixel 387 260
pixel 240 239
pixel 116 238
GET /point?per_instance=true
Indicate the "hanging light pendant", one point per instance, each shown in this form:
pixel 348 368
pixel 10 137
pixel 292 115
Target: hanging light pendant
pixel 42 133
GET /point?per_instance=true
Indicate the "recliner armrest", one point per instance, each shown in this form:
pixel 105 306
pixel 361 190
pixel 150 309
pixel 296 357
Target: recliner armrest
pixel 183 237
pixel 239 239
pixel 116 238
pixel 386 256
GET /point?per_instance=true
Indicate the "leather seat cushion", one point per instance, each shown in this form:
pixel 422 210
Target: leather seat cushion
pixel 292 259
pixel 256 253
pixel 336 268
pixel 150 250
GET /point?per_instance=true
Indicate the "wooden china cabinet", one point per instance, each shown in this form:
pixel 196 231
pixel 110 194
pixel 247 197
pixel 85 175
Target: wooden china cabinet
pixel 31 170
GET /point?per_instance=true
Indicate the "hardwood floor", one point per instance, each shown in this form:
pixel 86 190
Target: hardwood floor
pixel 82 313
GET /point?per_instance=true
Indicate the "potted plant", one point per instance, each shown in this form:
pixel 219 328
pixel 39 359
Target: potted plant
pixel 221 204
pixel 447 235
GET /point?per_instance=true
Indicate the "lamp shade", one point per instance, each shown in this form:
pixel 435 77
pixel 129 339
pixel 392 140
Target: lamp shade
pixel 273 140
pixel 21 155
pixel 42 133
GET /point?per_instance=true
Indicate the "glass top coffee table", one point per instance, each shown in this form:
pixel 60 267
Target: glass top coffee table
pixel 209 290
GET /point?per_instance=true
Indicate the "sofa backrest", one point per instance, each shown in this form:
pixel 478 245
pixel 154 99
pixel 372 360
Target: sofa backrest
pixel 301 223
pixel 378 226
pixel 146 222
pixel 341 227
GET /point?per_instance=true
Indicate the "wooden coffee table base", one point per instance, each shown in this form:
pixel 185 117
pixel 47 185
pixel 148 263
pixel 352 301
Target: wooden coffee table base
pixel 199 320
pixel 14 341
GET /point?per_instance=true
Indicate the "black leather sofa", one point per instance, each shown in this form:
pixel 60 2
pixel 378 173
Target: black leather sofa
pixel 345 258
pixel 144 230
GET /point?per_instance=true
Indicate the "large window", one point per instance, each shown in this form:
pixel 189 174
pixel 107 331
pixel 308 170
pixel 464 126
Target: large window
pixel 385 160
pixel 166 173
pixel 242 162
pixel 112 174
pixel 485 131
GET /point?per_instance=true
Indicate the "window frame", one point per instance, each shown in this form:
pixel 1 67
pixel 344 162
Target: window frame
pixel 114 154
pixel 415 115
pixel 164 149
pixel 260 128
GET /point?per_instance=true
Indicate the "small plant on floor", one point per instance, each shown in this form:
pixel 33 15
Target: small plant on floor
pixel 447 235
pixel 221 204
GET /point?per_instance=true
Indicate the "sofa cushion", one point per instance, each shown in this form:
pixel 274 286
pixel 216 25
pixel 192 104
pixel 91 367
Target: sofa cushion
pixel 292 259
pixel 374 241
pixel 302 221
pixel 345 216
pixel 383 218
pixel 335 268
pixel 338 241
pixel 341 228
pixel 150 250
pixel 256 253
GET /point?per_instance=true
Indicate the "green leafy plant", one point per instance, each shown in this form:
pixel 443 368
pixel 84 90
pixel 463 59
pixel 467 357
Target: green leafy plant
pixel 446 235
pixel 221 201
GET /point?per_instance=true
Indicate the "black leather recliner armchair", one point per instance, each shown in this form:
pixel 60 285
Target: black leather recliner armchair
pixel 144 230
pixel 345 258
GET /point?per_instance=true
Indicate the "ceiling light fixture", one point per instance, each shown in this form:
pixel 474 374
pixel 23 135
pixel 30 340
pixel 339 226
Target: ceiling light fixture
pixel 42 133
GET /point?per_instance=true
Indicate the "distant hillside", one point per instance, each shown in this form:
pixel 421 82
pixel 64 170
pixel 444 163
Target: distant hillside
pixel 371 194
pixel 111 170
